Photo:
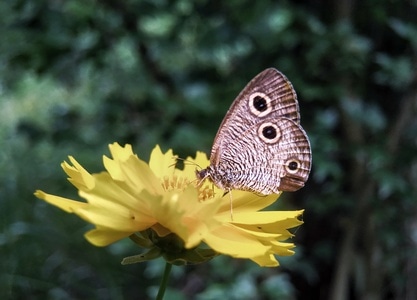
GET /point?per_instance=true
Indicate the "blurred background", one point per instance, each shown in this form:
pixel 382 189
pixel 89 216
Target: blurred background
pixel 77 75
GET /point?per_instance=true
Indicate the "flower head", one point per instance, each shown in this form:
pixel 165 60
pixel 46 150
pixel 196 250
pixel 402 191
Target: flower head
pixel 161 207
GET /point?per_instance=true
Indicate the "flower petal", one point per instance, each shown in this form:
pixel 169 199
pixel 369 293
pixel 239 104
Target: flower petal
pixel 199 216
pixel 282 249
pixel 65 204
pixel 121 153
pixel 266 260
pixel 116 217
pixel 192 164
pixel 79 177
pixel 274 219
pixel 162 164
pixel 130 169
pixel 106 189
pixel 230 241
pixel 104 237
pixel 246 201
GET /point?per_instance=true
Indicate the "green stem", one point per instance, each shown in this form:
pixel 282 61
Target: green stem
pixel 164 282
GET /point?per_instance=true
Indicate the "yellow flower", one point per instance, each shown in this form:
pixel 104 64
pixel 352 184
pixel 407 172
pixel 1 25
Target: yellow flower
pixel 160 207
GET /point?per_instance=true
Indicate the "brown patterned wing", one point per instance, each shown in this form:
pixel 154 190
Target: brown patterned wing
pixel 271 156
pixel 269 95
pixel 260 145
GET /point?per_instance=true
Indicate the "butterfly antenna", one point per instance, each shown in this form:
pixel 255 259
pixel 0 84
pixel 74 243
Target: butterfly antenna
pixel 175 162
pixel 186 161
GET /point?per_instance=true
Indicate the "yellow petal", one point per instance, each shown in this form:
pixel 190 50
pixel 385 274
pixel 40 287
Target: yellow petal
pixel 79 177
pixel 104 237
pixel 117 217
pixel 228 240
pixel 267 260
pixel 107 189
pixel 65 204
pixel 197 231
pixel 246 201
pixel 169 214
pixel 162 164
pixel 192 164
pixel 270 221
pixel 281 219
pixel 135 173
pixel 122 153
pixel 198 216
pixel 258 234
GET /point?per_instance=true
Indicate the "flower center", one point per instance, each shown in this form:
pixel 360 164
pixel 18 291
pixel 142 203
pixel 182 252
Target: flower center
pixel 205 193
pixel 171 183
pixel 175 183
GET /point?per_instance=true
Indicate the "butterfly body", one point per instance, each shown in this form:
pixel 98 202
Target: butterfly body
pixel 260 145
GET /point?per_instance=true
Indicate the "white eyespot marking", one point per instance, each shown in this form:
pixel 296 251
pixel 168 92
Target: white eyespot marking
pixel 292 165
pixel 269 133
pixel 260 104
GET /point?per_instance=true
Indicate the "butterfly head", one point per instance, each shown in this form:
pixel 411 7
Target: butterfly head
pixel 202 175
pixel 221 178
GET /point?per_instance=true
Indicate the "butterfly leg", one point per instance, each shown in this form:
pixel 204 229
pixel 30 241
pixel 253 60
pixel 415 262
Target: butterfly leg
pixel 231 204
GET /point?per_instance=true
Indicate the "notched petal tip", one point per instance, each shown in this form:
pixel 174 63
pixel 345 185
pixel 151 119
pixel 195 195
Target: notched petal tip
pixel 162 164
pixel 122 153
pixel 78 176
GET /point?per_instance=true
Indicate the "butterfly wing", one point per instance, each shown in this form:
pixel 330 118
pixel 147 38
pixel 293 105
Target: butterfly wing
pixel 271 156
pixel 269 94
pixel 260 145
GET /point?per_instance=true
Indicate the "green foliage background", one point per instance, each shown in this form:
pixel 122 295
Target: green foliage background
pixel 77 75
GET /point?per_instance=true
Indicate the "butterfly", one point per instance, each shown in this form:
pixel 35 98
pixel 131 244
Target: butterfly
pixel 260 146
